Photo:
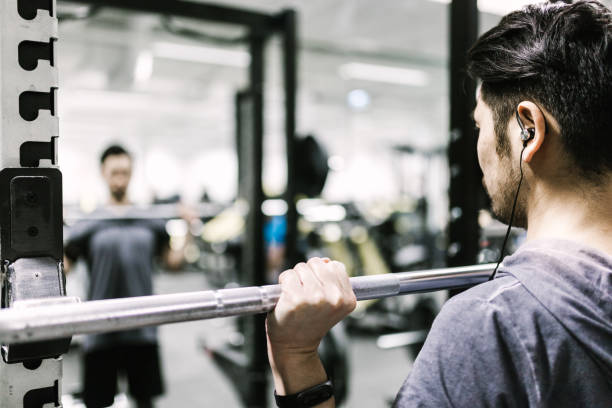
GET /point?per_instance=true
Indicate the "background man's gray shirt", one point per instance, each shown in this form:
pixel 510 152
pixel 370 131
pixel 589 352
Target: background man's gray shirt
pixel 539 335
pixel 119 256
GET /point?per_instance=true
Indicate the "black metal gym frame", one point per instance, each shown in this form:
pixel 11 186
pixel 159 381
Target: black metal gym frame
pixel 466 194
pixel 260 27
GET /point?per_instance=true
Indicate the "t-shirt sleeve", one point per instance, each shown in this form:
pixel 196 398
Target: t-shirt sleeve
pixel 471 358
pixel 162 239
pixel 77 239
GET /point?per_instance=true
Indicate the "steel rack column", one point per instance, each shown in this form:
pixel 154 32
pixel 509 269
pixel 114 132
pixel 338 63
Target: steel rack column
pixel 31 243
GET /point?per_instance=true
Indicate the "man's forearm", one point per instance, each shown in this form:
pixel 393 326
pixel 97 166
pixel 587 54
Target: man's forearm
pixel 314 297
pixel 297 372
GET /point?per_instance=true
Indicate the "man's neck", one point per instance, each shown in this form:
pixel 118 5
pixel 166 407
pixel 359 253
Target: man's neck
pixel 113 202
pixel 576 213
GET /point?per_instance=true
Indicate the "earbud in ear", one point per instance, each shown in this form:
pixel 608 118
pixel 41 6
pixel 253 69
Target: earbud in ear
pixel 527 134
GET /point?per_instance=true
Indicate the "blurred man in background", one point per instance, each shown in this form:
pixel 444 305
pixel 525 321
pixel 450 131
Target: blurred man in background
pixel 119 254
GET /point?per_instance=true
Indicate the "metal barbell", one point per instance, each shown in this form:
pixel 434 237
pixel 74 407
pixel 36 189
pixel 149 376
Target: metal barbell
pixel 139 212
pixel 52 318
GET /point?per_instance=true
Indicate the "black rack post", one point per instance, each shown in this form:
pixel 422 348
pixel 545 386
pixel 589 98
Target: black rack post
pixel 254 252
pixel 465 192
pixel 289 43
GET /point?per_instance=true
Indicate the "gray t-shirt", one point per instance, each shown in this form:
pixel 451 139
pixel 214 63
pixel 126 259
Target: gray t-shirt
pixel 539 335
pixel 119 255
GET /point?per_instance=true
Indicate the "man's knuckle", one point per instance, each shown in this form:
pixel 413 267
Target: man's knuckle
pixel 313 260
pixel 337 302
pixel 317 298
pixel 351 303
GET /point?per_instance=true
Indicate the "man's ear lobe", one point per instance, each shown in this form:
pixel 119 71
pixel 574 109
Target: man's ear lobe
pixel 533 146
pixel 535 124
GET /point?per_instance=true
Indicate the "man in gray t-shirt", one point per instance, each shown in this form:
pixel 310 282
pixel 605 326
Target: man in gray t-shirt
pixel 119 254
pixel 540 333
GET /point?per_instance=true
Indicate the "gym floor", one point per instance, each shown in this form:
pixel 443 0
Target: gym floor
pixel 192 379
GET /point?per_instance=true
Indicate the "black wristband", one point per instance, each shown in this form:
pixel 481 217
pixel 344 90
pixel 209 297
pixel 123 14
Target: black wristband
pixel 307 398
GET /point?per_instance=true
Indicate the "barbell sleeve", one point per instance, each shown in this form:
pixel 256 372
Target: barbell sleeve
pixel 53 318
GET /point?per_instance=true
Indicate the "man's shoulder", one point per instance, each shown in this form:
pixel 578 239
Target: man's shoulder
pixel 496 294
pixel 489 308
pixel 470 339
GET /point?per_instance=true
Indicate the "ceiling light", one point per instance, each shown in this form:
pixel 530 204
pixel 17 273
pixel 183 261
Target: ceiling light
pixel 502 7
pixel 358 99
pixel 383 73
pixel 205 55
pixel 495 6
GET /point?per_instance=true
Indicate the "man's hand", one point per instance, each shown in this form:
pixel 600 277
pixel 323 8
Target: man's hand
pixel 67 265
pixel 188 213
pixel 315 296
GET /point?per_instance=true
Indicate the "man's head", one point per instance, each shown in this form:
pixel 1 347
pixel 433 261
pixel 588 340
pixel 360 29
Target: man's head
pixel 116 166
pixel 553 63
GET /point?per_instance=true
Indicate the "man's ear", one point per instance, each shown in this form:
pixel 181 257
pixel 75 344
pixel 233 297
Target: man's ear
pixel 533 118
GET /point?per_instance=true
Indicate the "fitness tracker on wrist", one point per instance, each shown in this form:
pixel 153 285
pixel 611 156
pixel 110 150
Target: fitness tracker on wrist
pixel 307 398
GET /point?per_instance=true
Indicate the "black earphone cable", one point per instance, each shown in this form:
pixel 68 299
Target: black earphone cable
pixel 518 189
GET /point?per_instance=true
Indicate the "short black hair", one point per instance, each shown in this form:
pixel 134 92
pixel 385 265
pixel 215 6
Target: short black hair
pixel 557 55
pixel 113 150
